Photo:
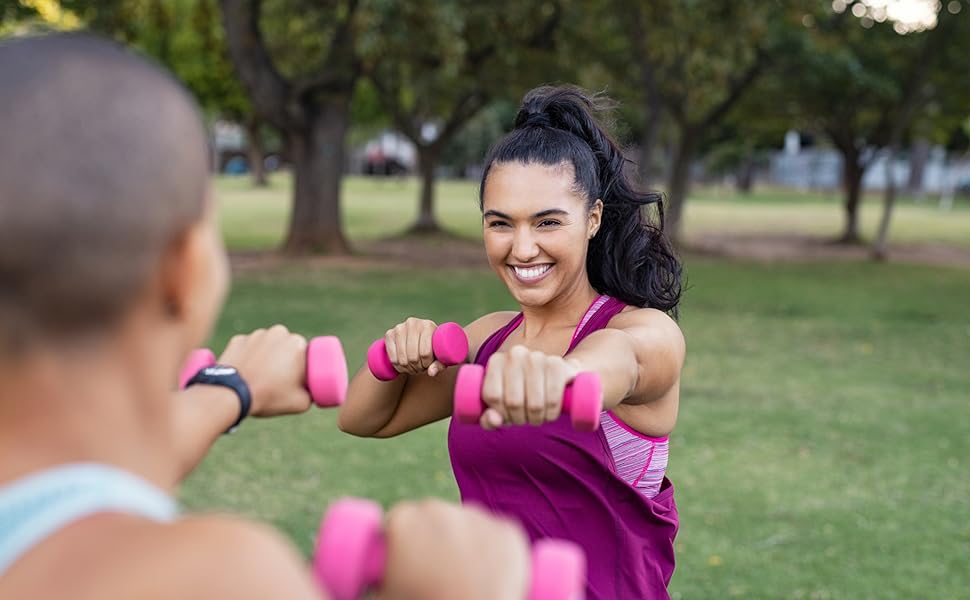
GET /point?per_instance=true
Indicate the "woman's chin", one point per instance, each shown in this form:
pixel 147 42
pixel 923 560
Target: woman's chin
pixel 530 297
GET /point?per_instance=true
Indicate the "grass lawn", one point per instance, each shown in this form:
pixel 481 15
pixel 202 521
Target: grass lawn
pixel 822 449
pixel 376 207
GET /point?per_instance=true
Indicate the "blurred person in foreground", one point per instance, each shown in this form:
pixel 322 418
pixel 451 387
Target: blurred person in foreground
pixel 111 271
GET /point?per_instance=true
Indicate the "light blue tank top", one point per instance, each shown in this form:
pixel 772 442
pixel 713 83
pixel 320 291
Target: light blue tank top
pixel 39 505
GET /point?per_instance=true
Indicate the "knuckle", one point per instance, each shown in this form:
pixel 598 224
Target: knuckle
pixel 496 361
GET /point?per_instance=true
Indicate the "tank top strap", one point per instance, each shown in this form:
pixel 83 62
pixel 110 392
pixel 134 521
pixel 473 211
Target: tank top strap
pixel 495 341
pixel 597 317
pixel 37 506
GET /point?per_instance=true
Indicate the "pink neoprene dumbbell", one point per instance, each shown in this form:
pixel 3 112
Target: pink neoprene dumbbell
pixel 326 370
pixel 582 400
pixel 351 555
pixel 448 342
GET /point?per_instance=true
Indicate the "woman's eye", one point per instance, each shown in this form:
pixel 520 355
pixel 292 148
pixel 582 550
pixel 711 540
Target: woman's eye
pixel 497 224
pixel 548 223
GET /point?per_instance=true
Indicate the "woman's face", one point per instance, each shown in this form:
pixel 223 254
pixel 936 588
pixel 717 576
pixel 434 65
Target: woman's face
pixel 536 230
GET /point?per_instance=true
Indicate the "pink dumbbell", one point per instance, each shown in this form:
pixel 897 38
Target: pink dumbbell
pixel 448 342
pixel 582 400
pixel 351 556
pixel 326 370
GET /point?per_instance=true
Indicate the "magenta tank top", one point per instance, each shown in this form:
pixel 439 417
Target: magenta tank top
pixel 563 483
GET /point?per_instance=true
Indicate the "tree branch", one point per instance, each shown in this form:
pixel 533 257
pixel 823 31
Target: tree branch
pixel 389 96
pixel 737 89
pixel 464 110
pixel 269 91
pixel 342 66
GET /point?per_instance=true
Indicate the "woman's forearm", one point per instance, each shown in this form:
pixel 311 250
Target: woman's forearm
pixel 370 403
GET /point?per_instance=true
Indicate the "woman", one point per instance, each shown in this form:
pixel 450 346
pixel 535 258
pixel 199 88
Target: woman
pixel 565 231
pixel 111 269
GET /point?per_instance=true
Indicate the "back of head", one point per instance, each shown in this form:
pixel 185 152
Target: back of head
pixel 103 164
pixel 630 258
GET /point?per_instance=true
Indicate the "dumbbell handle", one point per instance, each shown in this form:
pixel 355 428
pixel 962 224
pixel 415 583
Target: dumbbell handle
pixel 351 556
pixel 448 343
pixel 582 399
pixel 326 370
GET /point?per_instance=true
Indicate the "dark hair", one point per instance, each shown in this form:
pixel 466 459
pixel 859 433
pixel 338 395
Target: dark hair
pixel 630 258
pixel 102 166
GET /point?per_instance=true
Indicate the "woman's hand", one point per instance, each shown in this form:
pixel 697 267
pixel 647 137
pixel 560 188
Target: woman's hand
pixel 525 386
pixel 273 363
pixel 408 346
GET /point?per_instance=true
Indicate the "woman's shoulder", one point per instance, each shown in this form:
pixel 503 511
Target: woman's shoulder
pixel 636 316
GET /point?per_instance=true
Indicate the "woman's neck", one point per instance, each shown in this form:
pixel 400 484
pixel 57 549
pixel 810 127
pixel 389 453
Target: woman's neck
pixel 563 312
pixel 87 407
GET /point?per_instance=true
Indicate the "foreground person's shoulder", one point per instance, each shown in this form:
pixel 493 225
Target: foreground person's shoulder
pixel 226 557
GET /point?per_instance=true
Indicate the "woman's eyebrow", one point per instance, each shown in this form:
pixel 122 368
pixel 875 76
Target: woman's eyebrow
pixel 549 212
pixel 538 215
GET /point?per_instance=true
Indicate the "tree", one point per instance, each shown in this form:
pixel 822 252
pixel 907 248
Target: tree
pixel 933 78
pixel 694 61
pixel 299 63
pixel 469 53
pixel 859 82
pixel 186 37
pixel 210 75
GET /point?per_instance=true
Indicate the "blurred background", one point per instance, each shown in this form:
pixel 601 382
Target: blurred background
pixel 815 157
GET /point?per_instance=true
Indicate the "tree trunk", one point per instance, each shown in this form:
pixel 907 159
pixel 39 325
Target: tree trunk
pixel 427 161
pixel 648 140
pixel 745 176
pixel 256 151
pixel 852 172
pixel 318 163
pixel 880 249
pixel 678 185
pixel 917 166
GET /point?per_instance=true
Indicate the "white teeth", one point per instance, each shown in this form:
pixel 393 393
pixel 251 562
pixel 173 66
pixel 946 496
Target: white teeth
pixel 531 272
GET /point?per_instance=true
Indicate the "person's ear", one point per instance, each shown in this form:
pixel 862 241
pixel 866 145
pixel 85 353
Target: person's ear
pixel 595 219
pixel 181 268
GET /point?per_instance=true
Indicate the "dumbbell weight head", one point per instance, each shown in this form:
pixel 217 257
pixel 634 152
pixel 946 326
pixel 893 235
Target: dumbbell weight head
pixel 582 399
pixel 197 360
pixel 326 371
pixel 351 552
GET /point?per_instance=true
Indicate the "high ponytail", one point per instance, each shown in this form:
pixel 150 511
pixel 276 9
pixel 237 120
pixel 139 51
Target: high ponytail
pixel 630 258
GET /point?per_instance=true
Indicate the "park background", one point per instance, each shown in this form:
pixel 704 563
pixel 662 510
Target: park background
pixel 815 158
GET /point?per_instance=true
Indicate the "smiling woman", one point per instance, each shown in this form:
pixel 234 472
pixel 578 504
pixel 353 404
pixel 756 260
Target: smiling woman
pixel 595 279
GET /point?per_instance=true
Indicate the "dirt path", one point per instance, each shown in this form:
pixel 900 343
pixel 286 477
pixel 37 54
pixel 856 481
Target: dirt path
pixel 448 251
pixel 794 248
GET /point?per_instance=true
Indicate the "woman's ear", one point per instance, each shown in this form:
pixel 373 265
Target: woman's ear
pixel 180 268
pixel 595 219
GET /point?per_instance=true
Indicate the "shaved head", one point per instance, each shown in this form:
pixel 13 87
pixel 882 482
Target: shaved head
pixel 103 164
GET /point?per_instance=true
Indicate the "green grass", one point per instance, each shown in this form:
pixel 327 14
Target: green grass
pixel 375 207
pixel 822 448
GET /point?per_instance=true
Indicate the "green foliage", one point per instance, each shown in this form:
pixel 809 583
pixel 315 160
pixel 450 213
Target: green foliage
pixel 432 59
pixel 854 79
pixel 471 144
pixel 185 36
